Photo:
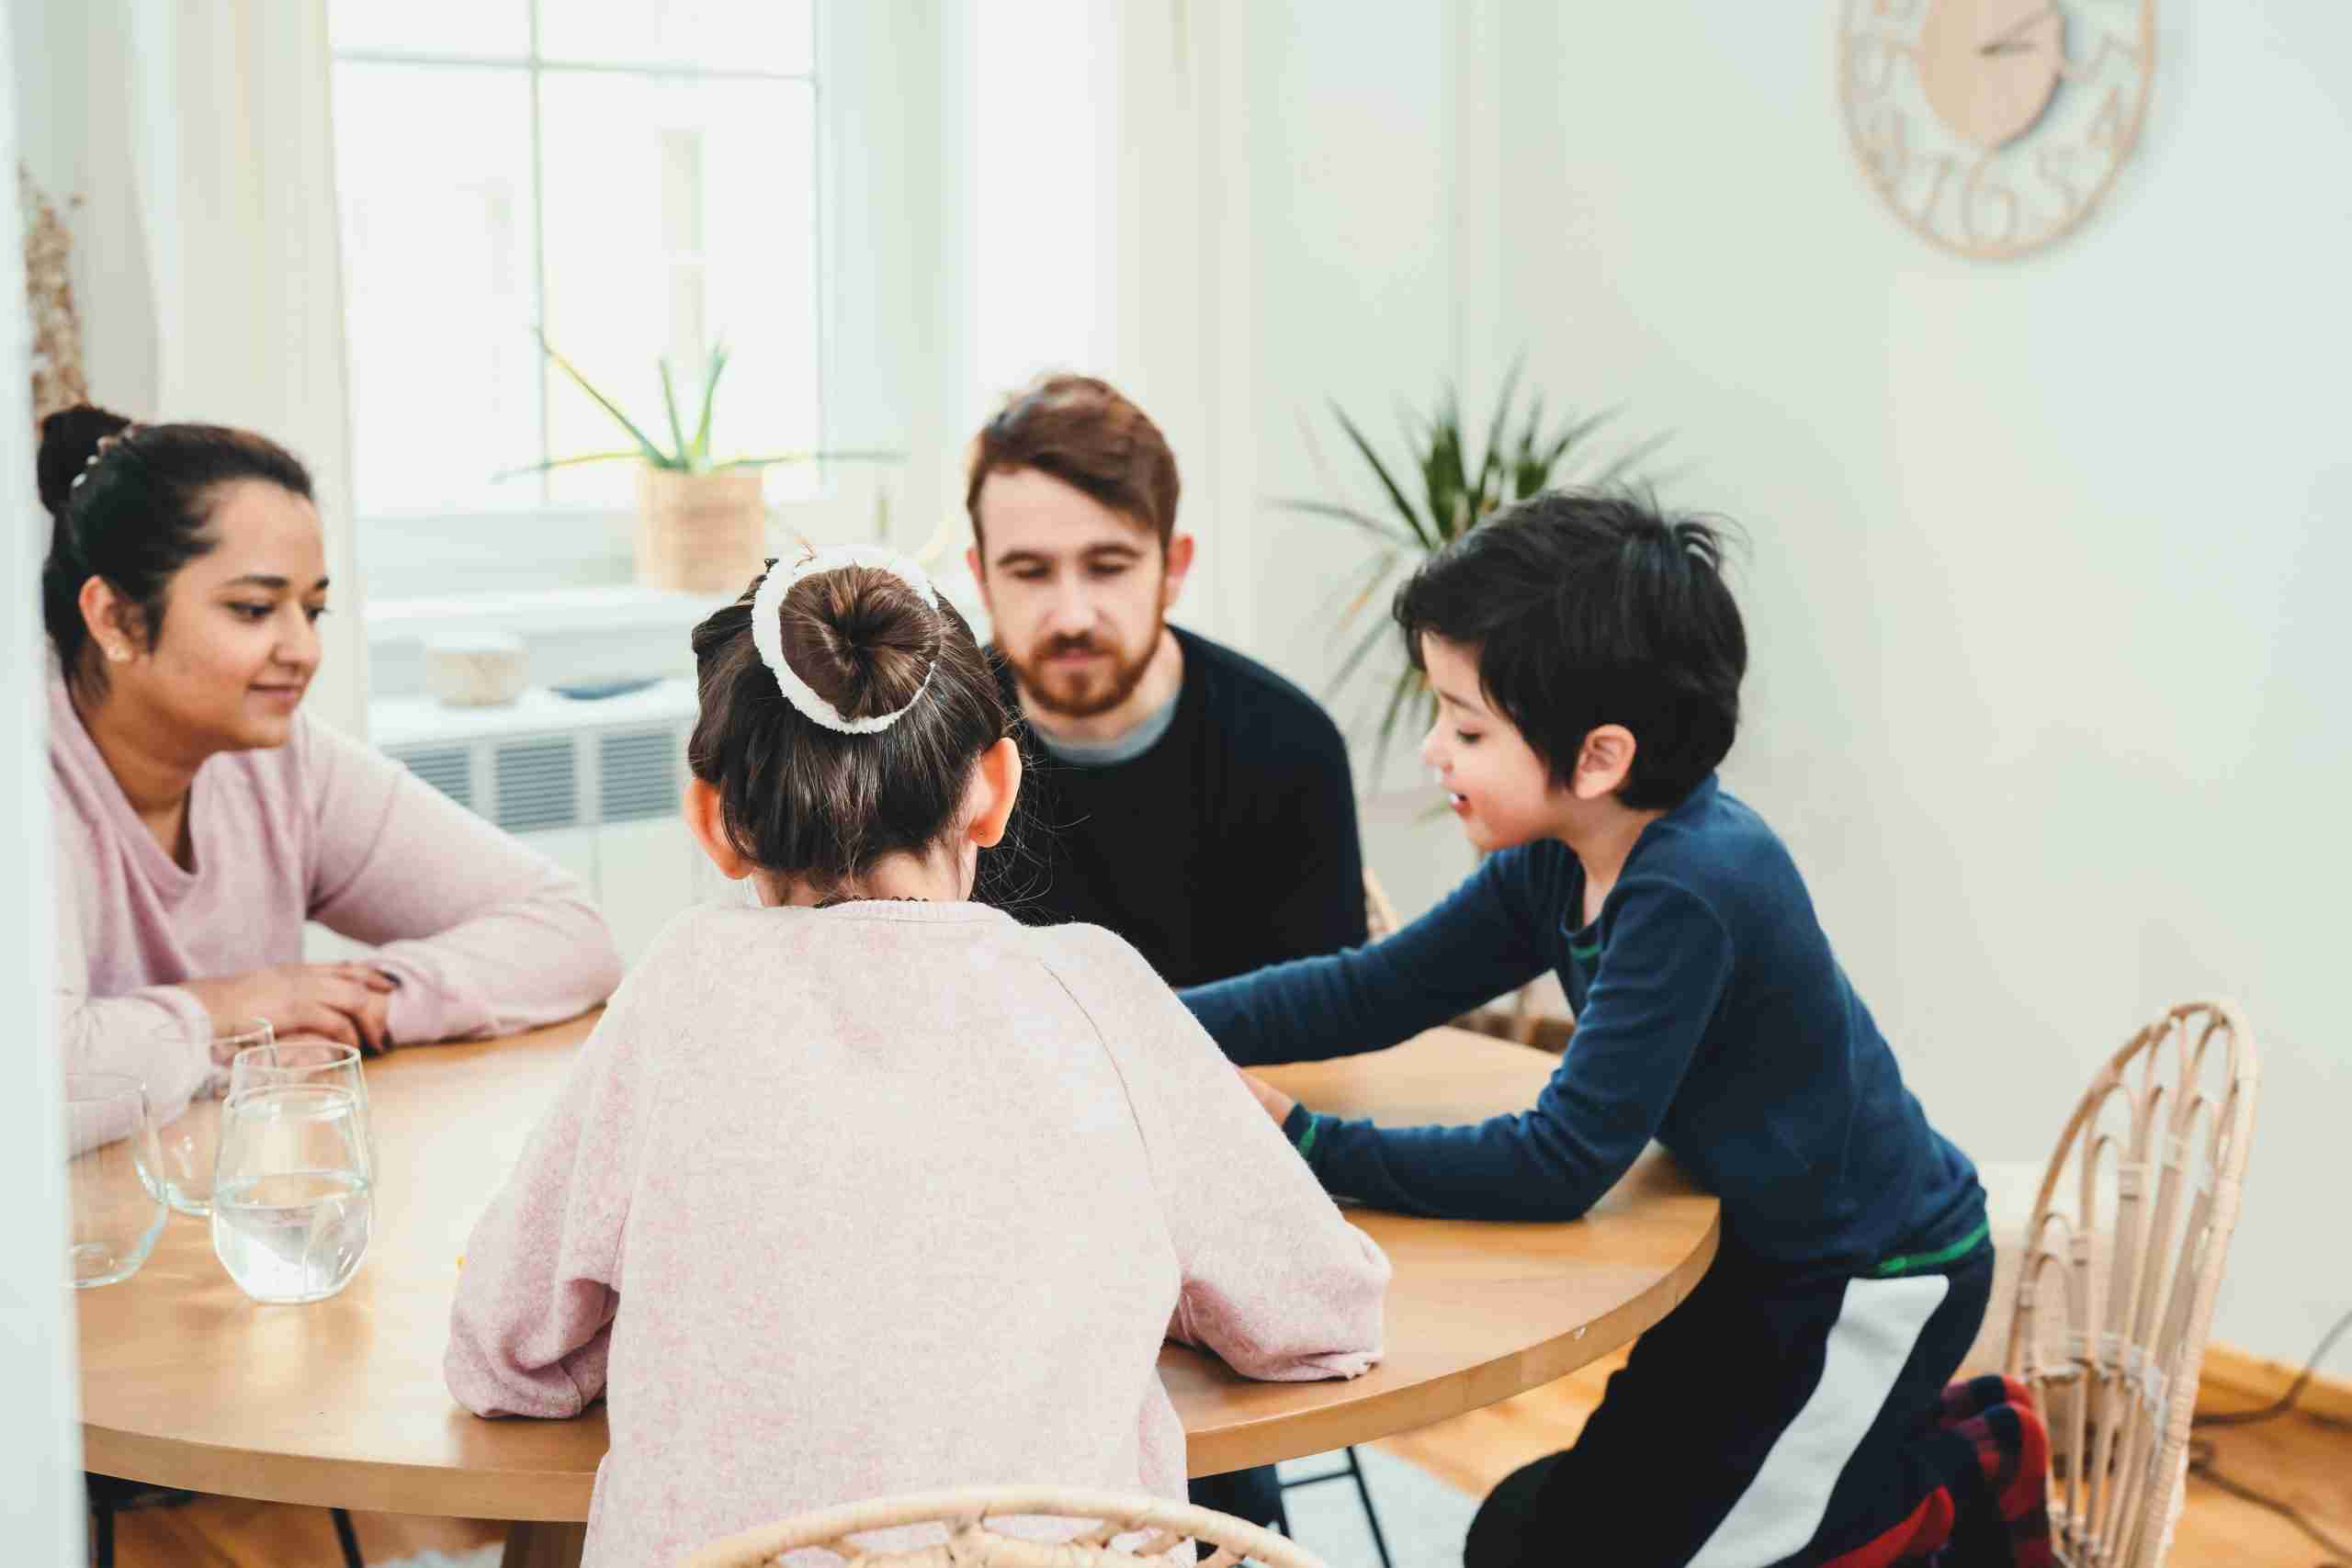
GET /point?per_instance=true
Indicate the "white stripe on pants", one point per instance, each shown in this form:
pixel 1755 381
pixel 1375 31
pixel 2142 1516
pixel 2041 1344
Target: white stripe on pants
pixel 1878 1324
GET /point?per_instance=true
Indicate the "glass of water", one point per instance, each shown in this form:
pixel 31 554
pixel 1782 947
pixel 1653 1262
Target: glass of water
pixel 190 1140
pixel 293 1200
pixel 112 1170
pixel 288 1064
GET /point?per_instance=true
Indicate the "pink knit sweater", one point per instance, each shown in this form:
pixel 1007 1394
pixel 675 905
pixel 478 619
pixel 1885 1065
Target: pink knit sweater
pixel 485 935
pixel 844 1203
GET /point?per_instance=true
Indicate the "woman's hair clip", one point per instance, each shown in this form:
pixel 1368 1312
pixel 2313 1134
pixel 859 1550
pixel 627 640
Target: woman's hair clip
pixel 767 630
pixel 106 444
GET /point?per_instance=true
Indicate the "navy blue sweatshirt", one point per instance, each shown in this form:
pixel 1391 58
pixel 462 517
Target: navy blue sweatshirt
pixel 1711 1016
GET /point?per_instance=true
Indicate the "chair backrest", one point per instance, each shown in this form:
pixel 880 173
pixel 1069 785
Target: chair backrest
pixel 1120 1531
pixel 1379 915
pixel 2122 1260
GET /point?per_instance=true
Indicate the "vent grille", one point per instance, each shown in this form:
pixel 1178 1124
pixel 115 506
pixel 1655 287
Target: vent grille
pixel 539 785
pixel 449 769
pixel 638 773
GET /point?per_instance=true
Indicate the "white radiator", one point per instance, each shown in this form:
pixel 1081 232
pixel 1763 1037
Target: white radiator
pixel 594 785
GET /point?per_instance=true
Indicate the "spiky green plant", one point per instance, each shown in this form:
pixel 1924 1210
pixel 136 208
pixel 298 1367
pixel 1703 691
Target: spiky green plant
pixel 1451 494
pixel 683 454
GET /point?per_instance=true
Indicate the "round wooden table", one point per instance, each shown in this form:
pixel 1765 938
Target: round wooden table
pixel 187 1382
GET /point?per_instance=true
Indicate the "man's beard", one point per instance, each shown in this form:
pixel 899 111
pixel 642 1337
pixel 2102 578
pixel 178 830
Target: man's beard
pixel 1088 691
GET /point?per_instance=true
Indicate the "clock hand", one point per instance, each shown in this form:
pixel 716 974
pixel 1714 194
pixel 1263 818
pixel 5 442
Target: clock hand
pixel 2007 41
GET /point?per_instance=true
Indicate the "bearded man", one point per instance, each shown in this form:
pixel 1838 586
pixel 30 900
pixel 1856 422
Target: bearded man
pixel 1182 795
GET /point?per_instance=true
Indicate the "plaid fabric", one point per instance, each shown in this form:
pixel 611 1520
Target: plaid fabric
pixel 1990 1511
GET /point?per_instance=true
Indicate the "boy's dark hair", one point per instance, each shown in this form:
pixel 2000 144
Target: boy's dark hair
pixel 810 803
pixel 141 510
pixel 1590 608
pixel 1083 433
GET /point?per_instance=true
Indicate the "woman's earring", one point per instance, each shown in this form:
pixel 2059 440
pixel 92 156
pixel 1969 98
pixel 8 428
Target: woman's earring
pixel 118 653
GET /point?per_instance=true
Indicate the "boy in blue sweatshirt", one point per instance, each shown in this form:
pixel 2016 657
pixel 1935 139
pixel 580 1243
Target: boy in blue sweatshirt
pixel 1586 656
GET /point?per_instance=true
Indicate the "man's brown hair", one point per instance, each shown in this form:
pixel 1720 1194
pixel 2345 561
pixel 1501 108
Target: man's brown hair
pixel 1080 431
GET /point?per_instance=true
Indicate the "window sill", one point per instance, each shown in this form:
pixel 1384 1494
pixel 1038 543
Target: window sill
pixel 523 612
pixel 570 636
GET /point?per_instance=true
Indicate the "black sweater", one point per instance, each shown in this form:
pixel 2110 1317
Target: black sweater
pixel 1229 845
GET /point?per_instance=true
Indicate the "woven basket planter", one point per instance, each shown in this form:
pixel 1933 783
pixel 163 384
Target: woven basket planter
pixel 700 533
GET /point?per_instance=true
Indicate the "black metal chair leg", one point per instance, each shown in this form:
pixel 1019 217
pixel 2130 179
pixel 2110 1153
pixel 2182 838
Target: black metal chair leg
pixel 101 1533
pixel 350 1540
pixel 1379 1542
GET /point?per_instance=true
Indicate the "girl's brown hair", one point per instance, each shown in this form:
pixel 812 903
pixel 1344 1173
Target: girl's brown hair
pixel 806 802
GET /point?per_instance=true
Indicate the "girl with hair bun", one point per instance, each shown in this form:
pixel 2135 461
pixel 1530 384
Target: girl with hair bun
pixel 201 818
pixel 871 1189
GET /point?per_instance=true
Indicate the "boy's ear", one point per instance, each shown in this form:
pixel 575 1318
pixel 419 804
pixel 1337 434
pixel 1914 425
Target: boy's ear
pixel 997 783
pixel 1603 763
pixel 707 823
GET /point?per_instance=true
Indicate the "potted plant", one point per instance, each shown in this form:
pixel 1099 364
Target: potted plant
pixel 1451 493
pixel 701 521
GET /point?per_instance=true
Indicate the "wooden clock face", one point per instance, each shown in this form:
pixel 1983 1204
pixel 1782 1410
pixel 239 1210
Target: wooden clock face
pixel 1994 127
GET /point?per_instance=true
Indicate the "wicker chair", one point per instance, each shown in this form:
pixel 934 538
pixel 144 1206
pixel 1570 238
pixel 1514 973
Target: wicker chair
pixel 962 1539
pixel 2121 1263
pixel 1520 1019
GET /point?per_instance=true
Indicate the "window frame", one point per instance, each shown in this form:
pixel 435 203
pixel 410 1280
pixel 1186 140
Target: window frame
pixel 415 554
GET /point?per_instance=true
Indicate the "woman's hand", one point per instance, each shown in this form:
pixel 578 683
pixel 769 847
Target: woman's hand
pixel 1271 1100
pixel 346 1002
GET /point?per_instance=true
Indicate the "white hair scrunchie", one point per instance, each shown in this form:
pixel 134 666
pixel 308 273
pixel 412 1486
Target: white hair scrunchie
pixel 767 630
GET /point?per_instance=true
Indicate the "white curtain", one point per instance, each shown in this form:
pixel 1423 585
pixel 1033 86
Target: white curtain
pixel 199 140
pixel 40 1448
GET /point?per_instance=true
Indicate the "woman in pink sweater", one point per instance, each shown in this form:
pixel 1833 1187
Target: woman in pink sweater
pixel 872 1189
pixel 201 819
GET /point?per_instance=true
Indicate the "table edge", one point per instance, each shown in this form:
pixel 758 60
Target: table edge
pixel 1410 1408
pixel 371 1487
pixel 563 1496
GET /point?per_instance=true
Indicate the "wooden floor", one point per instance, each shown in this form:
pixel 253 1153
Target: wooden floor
pixel 2301 1461
pixel 229 1532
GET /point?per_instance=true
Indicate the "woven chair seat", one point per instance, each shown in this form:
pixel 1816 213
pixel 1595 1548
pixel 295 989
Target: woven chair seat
pixel 1113 1530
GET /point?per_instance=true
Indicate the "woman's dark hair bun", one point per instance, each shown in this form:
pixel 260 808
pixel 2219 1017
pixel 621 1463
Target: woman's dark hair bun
pixel 69 439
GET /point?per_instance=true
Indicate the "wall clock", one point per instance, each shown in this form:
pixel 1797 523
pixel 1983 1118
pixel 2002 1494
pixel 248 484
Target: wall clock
pixel 1994 127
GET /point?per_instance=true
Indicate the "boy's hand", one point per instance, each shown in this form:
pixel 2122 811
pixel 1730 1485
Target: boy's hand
pixel 1271 1100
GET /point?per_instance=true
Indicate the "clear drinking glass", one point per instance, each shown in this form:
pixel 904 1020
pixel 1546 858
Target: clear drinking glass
pixel 293 1202
pixel 112 1171
pixel 286 1064
pixel 190 1139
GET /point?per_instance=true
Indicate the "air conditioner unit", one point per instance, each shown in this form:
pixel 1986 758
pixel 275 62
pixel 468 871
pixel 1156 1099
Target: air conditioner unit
pixel 545 761
pixel 594 783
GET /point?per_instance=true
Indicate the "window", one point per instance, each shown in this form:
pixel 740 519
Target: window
pixel 639 175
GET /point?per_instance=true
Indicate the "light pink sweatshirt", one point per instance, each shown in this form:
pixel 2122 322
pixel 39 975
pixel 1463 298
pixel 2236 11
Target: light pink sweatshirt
pixel 886 1197
pixel 485 935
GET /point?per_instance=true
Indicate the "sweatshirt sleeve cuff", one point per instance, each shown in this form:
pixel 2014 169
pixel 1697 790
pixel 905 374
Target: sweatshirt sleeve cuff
pixel 417 1014
pixel 1302 1127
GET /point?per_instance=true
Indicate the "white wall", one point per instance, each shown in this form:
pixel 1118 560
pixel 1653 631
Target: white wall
pixel 2042 693
pixel 1288 234
pixel 2048 660
pixel 40 1448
